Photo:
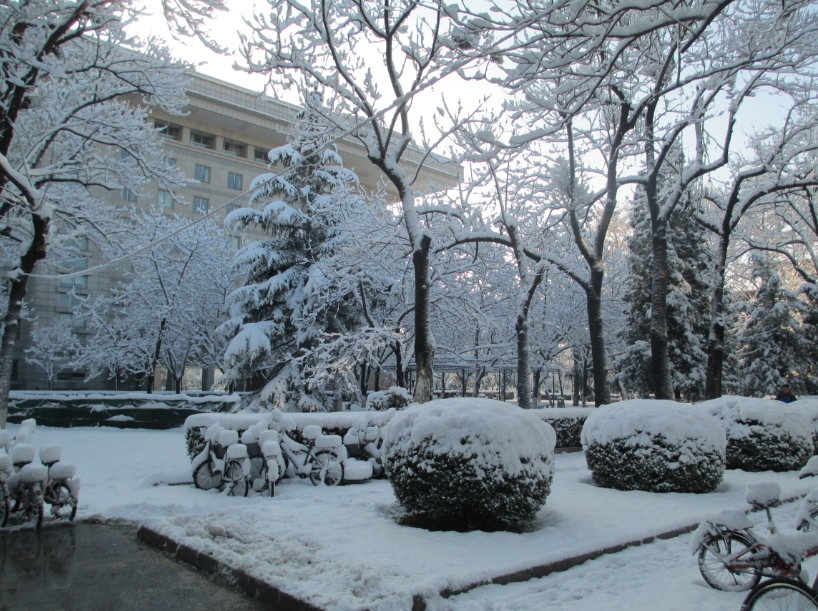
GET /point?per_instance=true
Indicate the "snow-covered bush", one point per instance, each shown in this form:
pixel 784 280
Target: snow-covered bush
pixel 567 423
pixel 808 407
pixel 469 463
pixel 658 446
pixel 382 400
pixel 762 435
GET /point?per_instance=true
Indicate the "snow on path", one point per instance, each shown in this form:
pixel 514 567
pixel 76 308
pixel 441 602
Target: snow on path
pixel 662 575
pixel 340 548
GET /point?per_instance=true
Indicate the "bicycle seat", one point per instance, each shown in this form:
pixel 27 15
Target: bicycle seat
pixel 249 436
pixel 271 448
pixel 22 454
pixel 22 436
pixel 33 473
pixel 763 495
pixel 311 432
pixel 328 441
pixel 236 451
pixel 266 437
pixel 50 454
pixel 227 437
pixel 62 470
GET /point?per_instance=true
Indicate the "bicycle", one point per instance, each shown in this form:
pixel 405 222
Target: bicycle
pixel 365 443
pixel 61 490
pixel 25 485
pixel 321 460
pixel 274 465
pixel 223 463
pixel 733 558
pixel 781 594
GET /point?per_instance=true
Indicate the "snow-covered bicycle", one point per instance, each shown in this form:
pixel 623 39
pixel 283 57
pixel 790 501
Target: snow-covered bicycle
pixel 61 490
pixel 223 463
pixel 322 460
pixel 365 443
pixel 733 558
pixel 24 485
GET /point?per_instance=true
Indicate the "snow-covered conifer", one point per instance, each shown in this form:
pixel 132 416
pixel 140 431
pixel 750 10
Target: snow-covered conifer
pixel 271 324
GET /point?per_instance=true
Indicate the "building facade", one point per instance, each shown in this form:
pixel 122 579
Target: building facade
pixel 221 142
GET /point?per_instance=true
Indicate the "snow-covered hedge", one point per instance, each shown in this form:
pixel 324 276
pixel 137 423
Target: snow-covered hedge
pixel 808 407
pixel 567 423
pixel 469 463
pixel 762 435
pixel 658 446
pixel 383 400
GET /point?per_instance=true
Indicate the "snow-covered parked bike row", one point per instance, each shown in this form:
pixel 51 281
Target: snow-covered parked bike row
pixel 240 454
pixel 25 487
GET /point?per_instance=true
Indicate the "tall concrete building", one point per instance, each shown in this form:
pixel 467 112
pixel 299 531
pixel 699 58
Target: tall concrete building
pixel 222 142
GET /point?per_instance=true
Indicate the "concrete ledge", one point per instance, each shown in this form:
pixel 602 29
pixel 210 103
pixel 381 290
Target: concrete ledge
pixel 278 600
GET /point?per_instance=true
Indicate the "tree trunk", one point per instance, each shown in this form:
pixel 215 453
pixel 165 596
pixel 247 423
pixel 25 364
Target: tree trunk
pixel 178 386
pixel 715 340
pixel 535 390
pixel 424 344
pixel 523 381
pixel 660 358
pixel 575 381
pixel 18 285
pixel 400 375
pixel 599 359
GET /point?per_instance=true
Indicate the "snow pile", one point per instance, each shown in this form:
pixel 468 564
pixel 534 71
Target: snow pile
pixel 762 494
pixel 658 446
pixel 469 463
pixel 383 400
pixel 762 435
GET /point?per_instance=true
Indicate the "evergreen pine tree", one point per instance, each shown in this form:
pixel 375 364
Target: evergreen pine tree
pixel 687 300
pixel 773 348
pixel 279 313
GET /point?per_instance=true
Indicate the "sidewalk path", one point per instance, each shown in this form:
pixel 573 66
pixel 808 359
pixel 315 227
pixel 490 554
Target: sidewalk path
pixel 94 567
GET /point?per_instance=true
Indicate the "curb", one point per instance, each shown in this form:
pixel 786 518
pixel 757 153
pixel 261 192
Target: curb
pixel 281 601
pixel 255 588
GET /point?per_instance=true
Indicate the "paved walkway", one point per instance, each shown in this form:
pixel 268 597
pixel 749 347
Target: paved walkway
pixel 93 567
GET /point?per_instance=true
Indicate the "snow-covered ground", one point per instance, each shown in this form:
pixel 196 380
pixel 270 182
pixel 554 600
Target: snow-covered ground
pixel 340 548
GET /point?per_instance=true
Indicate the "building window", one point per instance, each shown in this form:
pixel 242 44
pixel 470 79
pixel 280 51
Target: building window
pixel 164 199
pixel 79 282
pixel 201 173
pixel 127 194
pixel 201 204
pixel 234 181
pixel 230 207
pixel 67 301
pixel 203 140
pixel 235 242
pixel 169 130
pixel 260 155
pixel 71 376
pixel 234 148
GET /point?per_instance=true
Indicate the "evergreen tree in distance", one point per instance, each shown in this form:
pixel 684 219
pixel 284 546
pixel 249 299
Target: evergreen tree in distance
pixel 687 299
pixel 300 209
pixel 773 349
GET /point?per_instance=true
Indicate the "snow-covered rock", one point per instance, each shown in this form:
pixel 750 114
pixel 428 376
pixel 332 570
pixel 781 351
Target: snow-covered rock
pixel 762 435
pixel 658 446
pixel 382 400
pixel 469 463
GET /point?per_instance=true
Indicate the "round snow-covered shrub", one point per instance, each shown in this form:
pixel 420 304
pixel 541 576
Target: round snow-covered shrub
pixel 807 407
pixel 658 446
pixel 762 435
pixel 383 400
pixel 469 463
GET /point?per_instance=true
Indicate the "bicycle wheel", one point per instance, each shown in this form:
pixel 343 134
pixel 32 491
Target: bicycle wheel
pixel 238 484
pixel 4 507
pixel 327 469
pixel 808 527
pixel 712 566
pixel 204 478
pixel 64 505
pixel 256 467
pixel 781 595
